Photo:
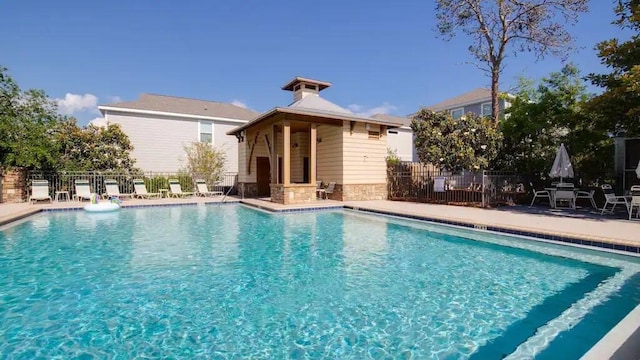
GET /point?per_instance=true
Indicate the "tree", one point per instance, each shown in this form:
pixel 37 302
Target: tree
pixel 536 26
pixel 468 143
pixel 541 118
pixel 92 148
pixel 26 118
pixel 618 106
pixel 205 161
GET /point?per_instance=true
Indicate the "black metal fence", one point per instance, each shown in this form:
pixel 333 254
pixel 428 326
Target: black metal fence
pixel 418 182
pixel 154 181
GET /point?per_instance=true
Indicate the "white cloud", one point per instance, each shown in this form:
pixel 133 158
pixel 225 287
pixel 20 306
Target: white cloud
pixel 73 103
pixel 385 108
pixel 239 103
pixel 98 122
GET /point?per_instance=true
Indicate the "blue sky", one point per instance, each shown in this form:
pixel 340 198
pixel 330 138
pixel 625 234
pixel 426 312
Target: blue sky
pixel 381 56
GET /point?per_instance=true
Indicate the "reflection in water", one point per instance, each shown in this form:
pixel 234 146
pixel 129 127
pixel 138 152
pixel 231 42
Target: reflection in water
pixel 362 249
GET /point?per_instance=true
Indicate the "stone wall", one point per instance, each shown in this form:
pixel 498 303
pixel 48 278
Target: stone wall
pixel 293 194
pixel 247 189
pixel 14 186
pixel 355 192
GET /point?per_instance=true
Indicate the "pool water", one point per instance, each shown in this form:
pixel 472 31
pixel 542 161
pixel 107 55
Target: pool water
pixel 234 282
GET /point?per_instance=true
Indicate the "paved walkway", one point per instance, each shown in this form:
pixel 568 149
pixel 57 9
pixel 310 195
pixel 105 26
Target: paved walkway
pixel 540 220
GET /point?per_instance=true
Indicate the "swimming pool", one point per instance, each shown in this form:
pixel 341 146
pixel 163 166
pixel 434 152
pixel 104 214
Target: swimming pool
pixel 234 282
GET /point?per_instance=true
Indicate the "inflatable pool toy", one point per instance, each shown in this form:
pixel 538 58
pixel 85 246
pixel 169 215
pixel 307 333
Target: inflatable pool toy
pixel 97 206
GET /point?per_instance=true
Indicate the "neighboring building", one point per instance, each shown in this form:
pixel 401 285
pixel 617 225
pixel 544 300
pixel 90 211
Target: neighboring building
pixel 477 101
pixel 400 139
pixel 283 152
pixel 160 127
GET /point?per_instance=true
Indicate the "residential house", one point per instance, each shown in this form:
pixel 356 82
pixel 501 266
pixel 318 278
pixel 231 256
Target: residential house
pixel 400 139
pixel 285 151
pixel 159 127
pixel 477 101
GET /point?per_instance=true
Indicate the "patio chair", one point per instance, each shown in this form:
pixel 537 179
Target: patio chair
pixel 39 191
pixel 613 199
pixel 203 190
pixel 141 190
pixel 329 190
pixel 540 194
pixel 635 201
pixel 83 190
pixel 113 190
pixel 320 191
pixel 564 193
pixel 176 189
pixel 582 194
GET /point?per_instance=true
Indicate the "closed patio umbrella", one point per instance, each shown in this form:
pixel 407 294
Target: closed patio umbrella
pixel 638 170
pixel 562 167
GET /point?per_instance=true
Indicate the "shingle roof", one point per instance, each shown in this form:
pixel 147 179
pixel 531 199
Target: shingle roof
pixel 179 105
pixel 315 102
pixel 405 121
pixel 471 97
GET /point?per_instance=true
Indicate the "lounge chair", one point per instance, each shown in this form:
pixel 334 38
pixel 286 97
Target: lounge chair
pixel 320 191
pixel 635 201
pixel 612 198
pixel 113 190
pixel 39 191
pixel 540 194
pixel 83 190
pixel 141 190
pixel 582 194
pixel 176 189
pixel 565 193
pixel 203 190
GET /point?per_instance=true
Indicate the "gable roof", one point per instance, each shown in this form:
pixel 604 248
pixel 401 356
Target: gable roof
pixel 405 121
pixel 180 105
pixel 471 97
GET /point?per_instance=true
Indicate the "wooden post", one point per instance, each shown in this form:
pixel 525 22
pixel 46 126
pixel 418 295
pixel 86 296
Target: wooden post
pixel 286 166
pixel 312 155
pixel 274 156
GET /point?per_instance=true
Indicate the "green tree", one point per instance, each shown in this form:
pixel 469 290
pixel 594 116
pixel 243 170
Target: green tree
pixel 541 118
pixel 92 148
pixel 618 107
pixel 536 26
pixel 204 161
pixel 468 143
pixel 26 118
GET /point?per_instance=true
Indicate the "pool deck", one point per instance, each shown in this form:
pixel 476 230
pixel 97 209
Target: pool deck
pixel 585 225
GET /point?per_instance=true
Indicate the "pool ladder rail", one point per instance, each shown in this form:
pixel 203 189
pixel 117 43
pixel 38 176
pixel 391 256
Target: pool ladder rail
pixel 225 196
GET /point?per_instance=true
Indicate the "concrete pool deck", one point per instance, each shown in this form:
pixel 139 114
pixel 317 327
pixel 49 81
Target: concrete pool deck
pixel 522 219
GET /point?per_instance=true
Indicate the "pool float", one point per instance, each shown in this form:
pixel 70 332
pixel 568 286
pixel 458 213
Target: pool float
pixel 97 206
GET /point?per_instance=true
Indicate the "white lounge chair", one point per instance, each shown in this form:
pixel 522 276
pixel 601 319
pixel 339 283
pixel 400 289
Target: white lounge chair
pixel 612 198
pixel 635 201
pixel 83 190
pixel 540 194
pixel 203 190
pixel 141 190
pixel 113 190
pixel 176 189
pixel 39 191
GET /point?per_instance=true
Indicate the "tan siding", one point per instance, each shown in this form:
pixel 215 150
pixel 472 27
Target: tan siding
pixel 260 150
pixel 298 154
pixel 242 161
pixel 364 158
pixel 228 143
pixel 329 153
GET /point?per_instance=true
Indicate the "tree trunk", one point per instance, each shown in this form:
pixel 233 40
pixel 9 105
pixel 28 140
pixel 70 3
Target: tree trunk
pixel 495 100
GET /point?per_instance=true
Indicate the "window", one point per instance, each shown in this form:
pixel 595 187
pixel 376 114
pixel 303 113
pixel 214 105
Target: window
pixel 206 132
pixel 486 109
pixel 375 135
pixel 309 86
pixel 457 113
pixel 392 132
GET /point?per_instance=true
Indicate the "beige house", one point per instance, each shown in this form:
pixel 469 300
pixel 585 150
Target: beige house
pixel 283 152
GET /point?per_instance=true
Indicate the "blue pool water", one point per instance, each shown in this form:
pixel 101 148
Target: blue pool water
pixel 233 282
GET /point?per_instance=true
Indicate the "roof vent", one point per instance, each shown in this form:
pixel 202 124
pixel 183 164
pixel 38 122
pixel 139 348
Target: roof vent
pixel 303 87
